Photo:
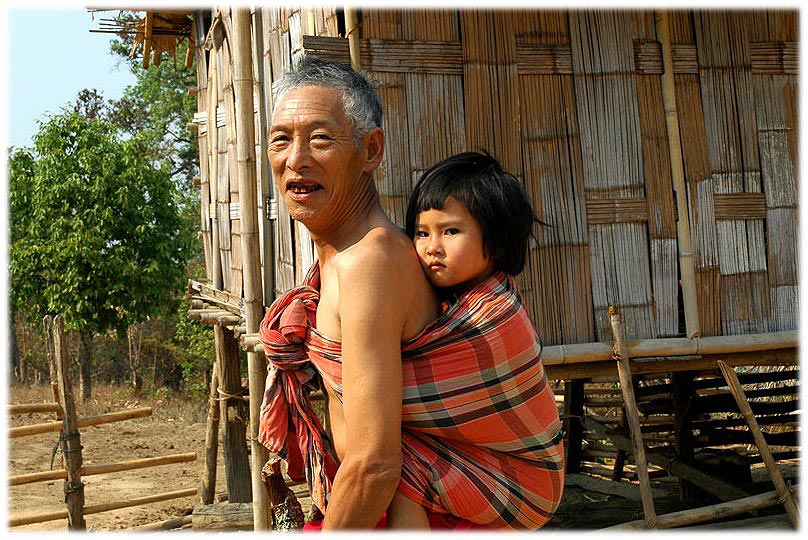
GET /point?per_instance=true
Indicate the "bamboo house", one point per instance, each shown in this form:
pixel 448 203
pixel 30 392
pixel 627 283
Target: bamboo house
pixel 661 147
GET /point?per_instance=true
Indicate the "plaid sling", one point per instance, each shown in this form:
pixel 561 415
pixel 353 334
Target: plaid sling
pixel 481 436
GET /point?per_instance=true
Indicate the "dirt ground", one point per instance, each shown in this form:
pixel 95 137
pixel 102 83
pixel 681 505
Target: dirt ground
pixel 166 432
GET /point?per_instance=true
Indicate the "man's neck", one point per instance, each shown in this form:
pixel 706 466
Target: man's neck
pixel 364 217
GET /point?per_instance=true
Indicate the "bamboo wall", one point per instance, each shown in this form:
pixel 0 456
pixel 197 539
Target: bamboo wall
pixel 571 102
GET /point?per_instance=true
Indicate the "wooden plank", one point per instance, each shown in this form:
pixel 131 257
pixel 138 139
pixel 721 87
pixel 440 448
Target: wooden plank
pixel 223 517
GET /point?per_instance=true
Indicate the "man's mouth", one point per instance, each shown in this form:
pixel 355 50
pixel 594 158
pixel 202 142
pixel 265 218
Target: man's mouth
pixel 302 188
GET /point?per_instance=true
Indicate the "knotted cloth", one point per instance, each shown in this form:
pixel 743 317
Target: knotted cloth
pixel 481 437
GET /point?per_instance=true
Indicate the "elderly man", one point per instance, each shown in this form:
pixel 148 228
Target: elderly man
pixel 452 409
pixel 324 144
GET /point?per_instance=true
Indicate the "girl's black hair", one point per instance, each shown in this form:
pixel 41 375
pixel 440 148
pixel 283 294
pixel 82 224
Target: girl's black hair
pixel 495 198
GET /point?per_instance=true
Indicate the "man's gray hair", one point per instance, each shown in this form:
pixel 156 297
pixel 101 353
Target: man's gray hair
pixel 359 99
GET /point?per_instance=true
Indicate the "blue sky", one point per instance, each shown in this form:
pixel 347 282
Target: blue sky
pixel 51 57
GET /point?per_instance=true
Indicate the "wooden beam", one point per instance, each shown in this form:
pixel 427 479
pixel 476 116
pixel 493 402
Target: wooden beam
pixel 51 427
pixel 632 416
pixel 25 408
pixel 707 513
pixel 89 470
pixel 27 519
pixel 777 479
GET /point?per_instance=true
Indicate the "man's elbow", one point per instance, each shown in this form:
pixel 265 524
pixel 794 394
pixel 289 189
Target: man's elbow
pixel 377 473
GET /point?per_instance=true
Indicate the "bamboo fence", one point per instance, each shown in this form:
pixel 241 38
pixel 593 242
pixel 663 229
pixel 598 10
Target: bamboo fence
pixel 70 440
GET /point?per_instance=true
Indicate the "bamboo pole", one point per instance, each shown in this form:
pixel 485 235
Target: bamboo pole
pixel 28 519
pixel 595 352
pixel 208 488
pixel 90 470
pixel 777 479
pixel 24 408
pixel 686 265
pixel 87 421
pixel 147 38
pixel 632 416
pixel 243 84
pixel 707 513
pixel 352 33
pixel 70 437
pixel 213 168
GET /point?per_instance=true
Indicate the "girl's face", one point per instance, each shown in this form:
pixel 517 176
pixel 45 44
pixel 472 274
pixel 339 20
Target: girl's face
pixel 449 243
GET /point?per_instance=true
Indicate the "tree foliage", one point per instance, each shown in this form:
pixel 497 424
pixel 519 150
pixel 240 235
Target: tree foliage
pixel 96 232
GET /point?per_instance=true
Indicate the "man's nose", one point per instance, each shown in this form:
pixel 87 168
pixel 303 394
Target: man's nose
pixel 298 154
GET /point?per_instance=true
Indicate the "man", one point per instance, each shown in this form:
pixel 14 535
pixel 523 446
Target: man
pixel 325 141
pixel 465 427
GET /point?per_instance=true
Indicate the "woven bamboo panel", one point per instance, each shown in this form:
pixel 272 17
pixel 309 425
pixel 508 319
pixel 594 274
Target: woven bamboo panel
pixel 620 277
pixel 745 303
pixel 490 83
pixel 278 56
pixel 570 101
pixel 557 283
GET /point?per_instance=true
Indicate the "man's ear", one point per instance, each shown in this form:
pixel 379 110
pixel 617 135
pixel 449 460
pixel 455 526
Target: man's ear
pixel 374 146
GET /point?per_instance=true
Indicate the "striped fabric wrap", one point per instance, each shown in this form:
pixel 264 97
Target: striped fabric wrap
pixel 481 436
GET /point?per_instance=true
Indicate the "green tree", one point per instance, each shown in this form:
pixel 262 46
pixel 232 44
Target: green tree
pixel 96 232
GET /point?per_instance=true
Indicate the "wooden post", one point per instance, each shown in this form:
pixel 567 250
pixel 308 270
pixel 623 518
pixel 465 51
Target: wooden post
pixel 686 266
pixel 208 488
pixel 234 418
pixel 243 86
pixel 683 428
pixel 573 410
pixel 620 456
pixel 70 437
pixel 624 372
pixel 352 33
pixel 777 479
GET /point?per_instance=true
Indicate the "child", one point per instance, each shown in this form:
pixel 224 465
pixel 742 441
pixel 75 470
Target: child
pixel 468 219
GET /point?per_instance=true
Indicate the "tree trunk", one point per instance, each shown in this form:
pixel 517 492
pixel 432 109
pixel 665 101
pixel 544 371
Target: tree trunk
pixel 86 364
pixel 14 350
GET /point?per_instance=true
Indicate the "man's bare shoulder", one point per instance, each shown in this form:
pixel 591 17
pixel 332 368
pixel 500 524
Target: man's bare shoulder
pixel 383 251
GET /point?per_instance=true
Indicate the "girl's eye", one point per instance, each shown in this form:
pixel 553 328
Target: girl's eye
pixel 452 231
pixel 421 234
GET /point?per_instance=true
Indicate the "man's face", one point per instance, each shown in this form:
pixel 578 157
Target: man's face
pixel 315 162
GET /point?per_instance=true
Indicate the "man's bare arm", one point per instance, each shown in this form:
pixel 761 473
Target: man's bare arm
pixel 373 310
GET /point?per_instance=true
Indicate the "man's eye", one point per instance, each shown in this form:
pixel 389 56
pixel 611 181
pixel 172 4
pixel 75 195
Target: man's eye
pixel 278 139
pixel 321 137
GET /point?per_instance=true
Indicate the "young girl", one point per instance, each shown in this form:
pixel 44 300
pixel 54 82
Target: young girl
pixel 469 219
